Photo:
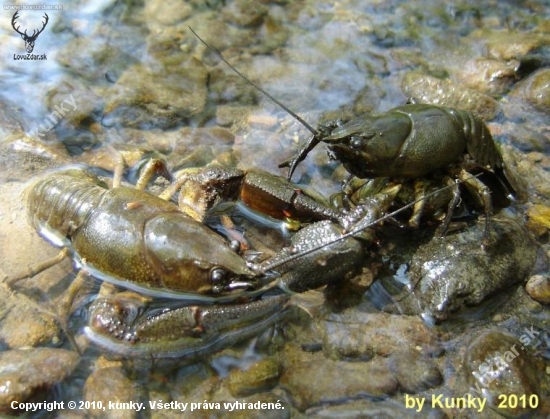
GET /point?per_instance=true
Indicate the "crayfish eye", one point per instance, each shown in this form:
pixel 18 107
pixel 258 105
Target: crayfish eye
pixel 355 142
pixel 217 277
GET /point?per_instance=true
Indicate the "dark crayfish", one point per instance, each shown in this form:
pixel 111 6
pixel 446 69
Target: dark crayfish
pixel 413 142
pixel 408 142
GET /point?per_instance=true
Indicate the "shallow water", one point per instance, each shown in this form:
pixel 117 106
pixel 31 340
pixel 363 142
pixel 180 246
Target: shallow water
pixel 132 75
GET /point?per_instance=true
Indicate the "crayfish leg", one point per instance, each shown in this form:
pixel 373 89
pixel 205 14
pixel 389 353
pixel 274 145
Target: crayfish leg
pixel 484 193
pixel 69 296
pixel 152 167
pixel 300 155
pixel 66 303
pixel 442 229
pixel 419 203
pixel 35 270
pixel 119 168
pixel 64 309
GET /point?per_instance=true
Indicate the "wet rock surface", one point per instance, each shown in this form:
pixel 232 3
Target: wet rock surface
pixel 357 336
pixel 40 324
pixel 25 373
pixel 538 288
pixel 427 89
pixel 146 98
pixel 372 379
pixel 488 75
pixel 432 311
pixel 111 384
pixel 535 89
pixel 501 364
pixel 261 376
pixel 414 372
pixel 454 272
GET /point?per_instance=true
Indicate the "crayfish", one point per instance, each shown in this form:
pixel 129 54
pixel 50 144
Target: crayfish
pixel 188 290
pixel 413 142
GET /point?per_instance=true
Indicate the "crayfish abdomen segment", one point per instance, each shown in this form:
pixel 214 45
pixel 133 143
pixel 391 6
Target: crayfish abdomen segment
pixel 58 205
pixel 480 144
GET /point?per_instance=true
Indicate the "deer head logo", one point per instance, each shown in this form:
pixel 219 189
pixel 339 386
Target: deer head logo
pixel 29 40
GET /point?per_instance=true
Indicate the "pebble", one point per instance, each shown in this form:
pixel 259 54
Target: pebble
pixel 535 89
pixel 414 372
pixel 353 335
pixel 25 324
pixel 148 99
pixel 489 76
pixel 454 272
pixel 309 382
pixel 539 214
pixel 499 363
pixel 507 45
pixel 259 377
pixel 111 384
pixel 538 288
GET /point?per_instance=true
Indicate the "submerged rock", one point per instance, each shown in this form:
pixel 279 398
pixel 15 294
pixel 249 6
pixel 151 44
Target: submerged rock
pixel 498 364
pixel 353 335
pixel 89 59
pixel 413 371
pixel 538 287
pixel 25 324
pixel 25 372
pixel 510 44
pixel 111 385
pixel 261 376
pixel 10 120
pixel 535 89
pixel 147 98
pixel 427 89
pixel 453 272
pixel 309 384
pixel 490 76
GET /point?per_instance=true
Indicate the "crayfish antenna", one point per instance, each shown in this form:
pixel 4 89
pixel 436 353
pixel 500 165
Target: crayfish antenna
pixel 301 155
pixel 32 271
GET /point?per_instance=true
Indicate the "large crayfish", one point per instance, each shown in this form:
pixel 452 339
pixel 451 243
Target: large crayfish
pixel 197 294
